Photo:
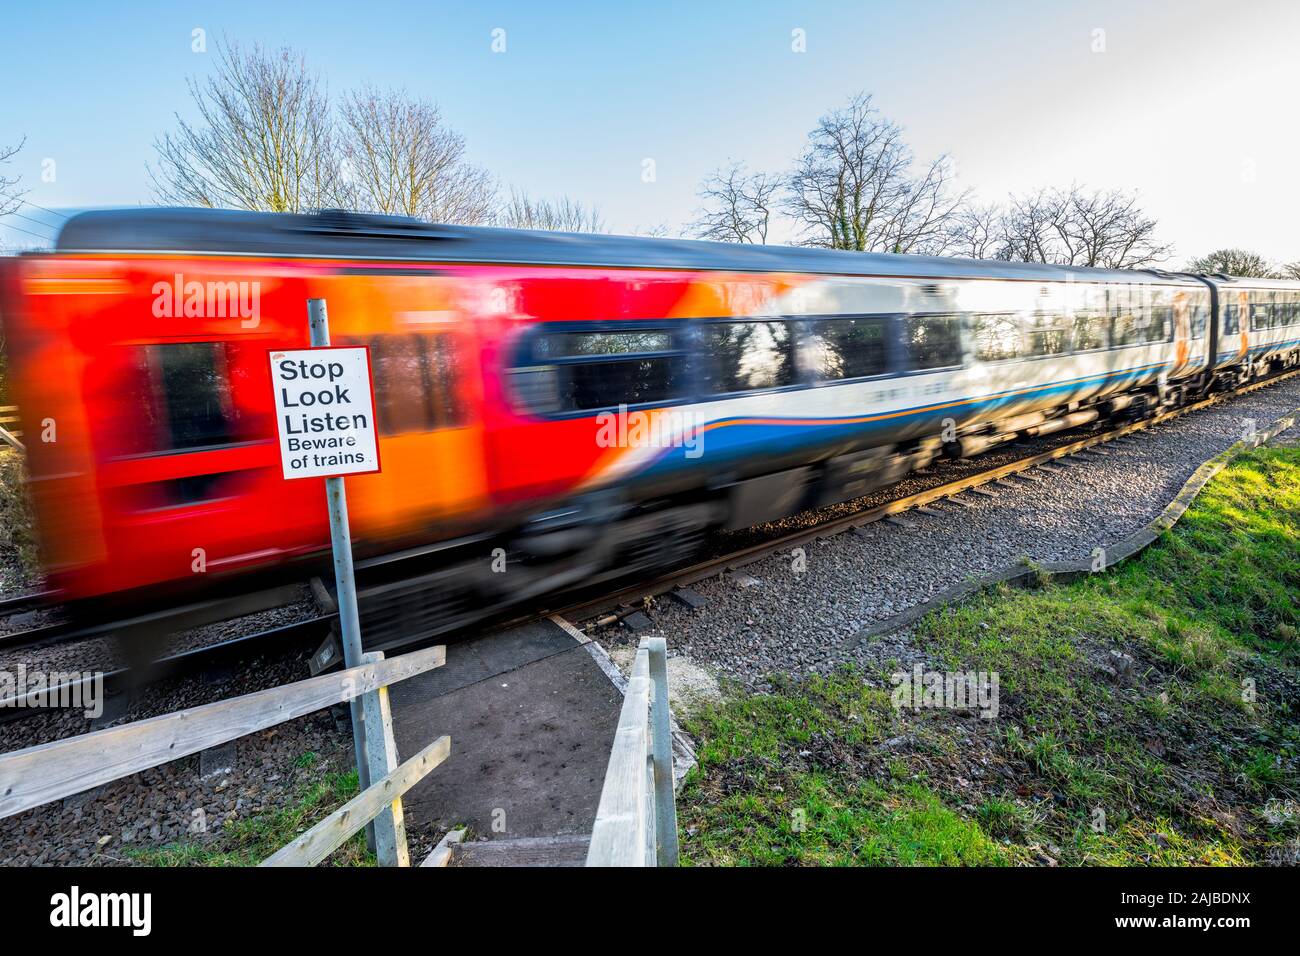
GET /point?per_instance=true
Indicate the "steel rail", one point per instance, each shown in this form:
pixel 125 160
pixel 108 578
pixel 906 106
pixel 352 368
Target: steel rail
pixel 126 679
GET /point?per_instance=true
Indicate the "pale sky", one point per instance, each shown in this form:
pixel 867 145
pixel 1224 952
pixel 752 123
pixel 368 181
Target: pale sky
pixel 1192 104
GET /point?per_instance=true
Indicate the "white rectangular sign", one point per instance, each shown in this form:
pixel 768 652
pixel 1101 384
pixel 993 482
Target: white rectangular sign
pixel 324 411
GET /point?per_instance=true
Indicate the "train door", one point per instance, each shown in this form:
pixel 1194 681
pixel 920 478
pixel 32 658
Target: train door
pixel 188 469
pixel 1182 333
pixel 424 354
pixel 1243 323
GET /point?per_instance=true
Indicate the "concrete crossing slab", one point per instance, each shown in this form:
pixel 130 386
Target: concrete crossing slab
pixel 531 718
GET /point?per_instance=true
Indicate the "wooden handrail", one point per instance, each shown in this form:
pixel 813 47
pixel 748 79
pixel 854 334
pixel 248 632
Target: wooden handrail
pixel 636 821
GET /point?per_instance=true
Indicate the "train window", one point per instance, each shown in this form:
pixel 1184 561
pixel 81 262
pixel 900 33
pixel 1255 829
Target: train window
pixel 932 341
pixel 1091 330
pixel 1121 318
pixel 605 384
pixel 568 344
pixel 846 348
pixel 1260 313
pixel 1136 323
pixel 180 399
pixel 1230 319
pixel 1126 330
pixel 745 356
pixel 1156 325
pixel 997 337
pixel 1159 323
pixel 573 371
pixel 1046 333
pixel 197 394
pixel 1199 314
pixel 444 368
pixel 415 383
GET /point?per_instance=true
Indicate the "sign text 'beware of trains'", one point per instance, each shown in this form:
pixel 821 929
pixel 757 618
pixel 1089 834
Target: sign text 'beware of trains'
pixel 324 411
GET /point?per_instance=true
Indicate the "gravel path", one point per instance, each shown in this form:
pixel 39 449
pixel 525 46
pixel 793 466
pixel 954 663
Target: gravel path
pixel 803 621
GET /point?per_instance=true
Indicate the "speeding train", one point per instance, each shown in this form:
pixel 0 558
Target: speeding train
pixel 563 408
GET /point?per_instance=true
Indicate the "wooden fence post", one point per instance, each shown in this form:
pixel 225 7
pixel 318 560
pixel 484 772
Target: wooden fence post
pixel 381 754
pixel 661 735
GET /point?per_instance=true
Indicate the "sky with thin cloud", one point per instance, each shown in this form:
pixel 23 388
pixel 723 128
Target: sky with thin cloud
pixel 1191 104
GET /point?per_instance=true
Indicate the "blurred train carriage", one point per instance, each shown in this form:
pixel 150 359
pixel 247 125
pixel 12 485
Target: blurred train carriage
pixel 139 346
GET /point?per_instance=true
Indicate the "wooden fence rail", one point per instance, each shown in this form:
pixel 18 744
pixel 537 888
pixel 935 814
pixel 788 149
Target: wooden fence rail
pixel 636 821
pixel 332 832
pixel 37 775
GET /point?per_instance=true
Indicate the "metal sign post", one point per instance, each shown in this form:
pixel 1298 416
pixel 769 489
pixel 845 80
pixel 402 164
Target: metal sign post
pixel 325 418
pixel 345 581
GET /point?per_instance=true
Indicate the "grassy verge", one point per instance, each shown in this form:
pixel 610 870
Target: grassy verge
pixel 1146 716
pixel 249 842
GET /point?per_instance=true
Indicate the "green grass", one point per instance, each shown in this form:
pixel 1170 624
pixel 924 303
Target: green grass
pixel 779 786
pixel 1172 765
pixel 249 842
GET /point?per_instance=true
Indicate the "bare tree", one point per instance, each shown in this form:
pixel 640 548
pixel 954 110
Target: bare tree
pixel 1028 229
pixel 263 140
pixel 659 230
pixel 1108 230
pixel 854 188
pixel 1291 271
pixel 739 205
pixel 1101 229
pixel 561 215
pixel 922 222
pixel 11 197
pixel 1239 262
pixel 400 158
pixel 977 232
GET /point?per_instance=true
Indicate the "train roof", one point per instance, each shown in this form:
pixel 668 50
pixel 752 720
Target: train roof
pixel 336 234
pixel 1246 283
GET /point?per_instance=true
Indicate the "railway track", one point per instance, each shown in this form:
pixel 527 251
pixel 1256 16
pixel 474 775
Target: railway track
pixel 575 606
pixel 128 679
pixel 24 602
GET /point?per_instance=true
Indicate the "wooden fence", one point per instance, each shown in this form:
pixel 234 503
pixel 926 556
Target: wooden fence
pixel 8 434
pixel 61 768
pixel 636 821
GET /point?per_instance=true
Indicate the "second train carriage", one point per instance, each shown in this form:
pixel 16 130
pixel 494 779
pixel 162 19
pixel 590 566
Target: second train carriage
pixel 589 404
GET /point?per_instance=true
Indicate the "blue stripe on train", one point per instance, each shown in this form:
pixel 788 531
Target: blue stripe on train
pixel 1260 348
pixel 731 439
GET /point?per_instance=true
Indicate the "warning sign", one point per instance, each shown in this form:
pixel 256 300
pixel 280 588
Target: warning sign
pixel 324 411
